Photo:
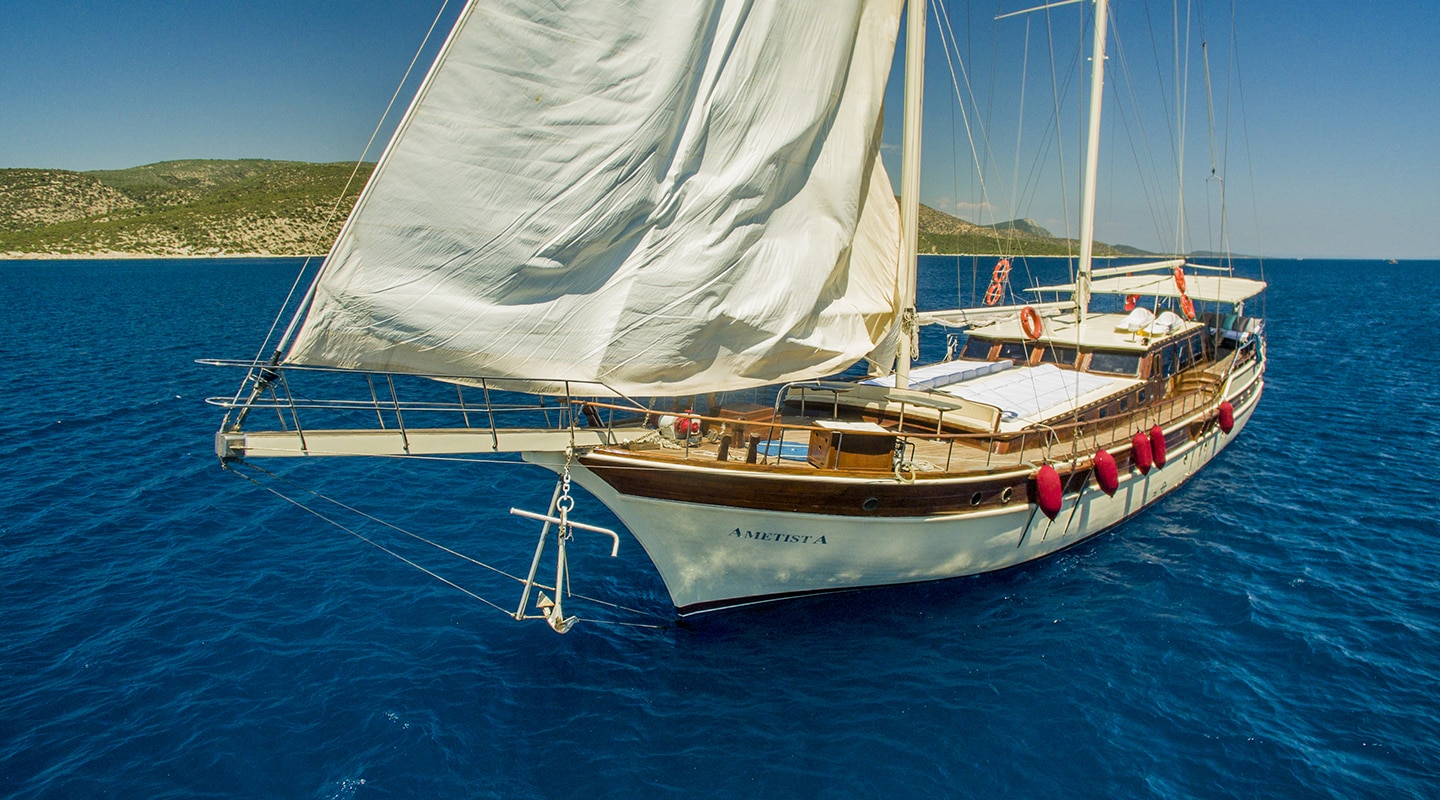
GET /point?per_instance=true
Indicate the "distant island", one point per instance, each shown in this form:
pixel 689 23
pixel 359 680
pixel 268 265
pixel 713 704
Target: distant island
pixel 248 207
pixel 255 207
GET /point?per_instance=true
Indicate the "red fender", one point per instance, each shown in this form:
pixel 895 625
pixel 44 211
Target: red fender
pixel 1106 473
pixel 1048 491
pixel 1140 453
pixel 1227 416
pixel 1157 445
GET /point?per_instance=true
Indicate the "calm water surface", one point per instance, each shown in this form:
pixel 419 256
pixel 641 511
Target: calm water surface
pixel 169 629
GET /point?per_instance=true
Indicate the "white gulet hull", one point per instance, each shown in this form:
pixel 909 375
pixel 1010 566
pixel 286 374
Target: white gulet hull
pixel 715 556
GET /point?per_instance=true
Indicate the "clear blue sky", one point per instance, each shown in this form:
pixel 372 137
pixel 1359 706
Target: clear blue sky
pixel 1342 105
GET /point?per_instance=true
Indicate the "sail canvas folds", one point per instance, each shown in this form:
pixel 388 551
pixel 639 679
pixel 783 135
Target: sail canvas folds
pixel 664 197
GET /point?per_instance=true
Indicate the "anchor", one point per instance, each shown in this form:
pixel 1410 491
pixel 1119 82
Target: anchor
pixel 561 504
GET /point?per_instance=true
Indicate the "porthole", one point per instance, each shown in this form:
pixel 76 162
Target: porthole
pixel 976 498
pixel 870 504
pixel 1005 495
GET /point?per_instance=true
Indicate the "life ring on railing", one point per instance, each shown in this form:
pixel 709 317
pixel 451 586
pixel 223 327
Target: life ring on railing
pixel 1030 322
pixel 998 278
pixel 1180 279
pixel 994 293
pixel 1130 301
pixel 1001 271
pixel 1187 306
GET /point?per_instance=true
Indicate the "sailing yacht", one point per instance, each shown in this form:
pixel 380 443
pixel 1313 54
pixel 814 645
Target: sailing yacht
pixel 639 246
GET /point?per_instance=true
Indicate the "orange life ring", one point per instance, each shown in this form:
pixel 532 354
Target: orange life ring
pixel 1180 279
pixel 994 293
pixel 1187 306
pixel 998 277
pixel 1030 321
pixel 1001 272
pixel 1130 301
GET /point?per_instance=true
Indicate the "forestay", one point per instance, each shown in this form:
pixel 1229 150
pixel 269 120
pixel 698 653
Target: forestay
pixel 664 197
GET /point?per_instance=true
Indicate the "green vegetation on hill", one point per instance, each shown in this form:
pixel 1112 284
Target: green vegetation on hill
pixel 246 207
pixel 257 207
pixel 943 233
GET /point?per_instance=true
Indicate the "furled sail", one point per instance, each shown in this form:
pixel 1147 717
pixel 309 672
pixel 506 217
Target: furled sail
pixel 662 197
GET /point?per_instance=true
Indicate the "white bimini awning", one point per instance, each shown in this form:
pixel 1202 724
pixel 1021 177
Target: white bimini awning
pixel 1203 288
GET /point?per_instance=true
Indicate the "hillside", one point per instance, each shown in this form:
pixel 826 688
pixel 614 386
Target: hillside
pixel 942 233
pixel 257 207
pixel 176 208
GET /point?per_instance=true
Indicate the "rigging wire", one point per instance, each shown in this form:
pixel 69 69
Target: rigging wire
pixel 426 541
pixel 952 59
pixel 1182 95
pixel 1249 160
pixel 1019 129
pixel 339 201
pixel 1147 169
pixel 951 49
pixel 1214 175
pixel 1060 141
pixel 362 537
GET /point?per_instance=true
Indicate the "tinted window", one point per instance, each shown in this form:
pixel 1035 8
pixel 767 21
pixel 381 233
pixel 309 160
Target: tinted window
pixel 1058 355
pixel 976 349
pixel 1015 351
pixel 1115 363
pixel 1167 361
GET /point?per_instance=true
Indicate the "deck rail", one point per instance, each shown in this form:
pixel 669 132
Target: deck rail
pixel 496 410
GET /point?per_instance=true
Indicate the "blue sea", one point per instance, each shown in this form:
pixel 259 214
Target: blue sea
pixel 170 629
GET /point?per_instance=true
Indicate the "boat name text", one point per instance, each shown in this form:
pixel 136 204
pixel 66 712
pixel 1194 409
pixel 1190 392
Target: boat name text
pixel 772 536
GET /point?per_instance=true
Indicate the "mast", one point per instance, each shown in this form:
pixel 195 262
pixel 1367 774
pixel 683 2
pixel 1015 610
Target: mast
pixel 910 183
pixel 1092 161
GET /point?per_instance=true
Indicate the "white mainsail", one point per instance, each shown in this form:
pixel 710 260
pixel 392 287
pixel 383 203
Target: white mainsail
pixel 664 197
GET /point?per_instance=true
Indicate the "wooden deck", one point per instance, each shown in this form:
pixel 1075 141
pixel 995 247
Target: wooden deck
pixel 950 454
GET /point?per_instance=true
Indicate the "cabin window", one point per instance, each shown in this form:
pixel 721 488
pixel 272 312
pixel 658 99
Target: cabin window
pixel 1115 363
pixel 1167 361
pixel 1191 352
pixel 1057 355
pixel 1015 351
pixel 1124 404
pixel 976 349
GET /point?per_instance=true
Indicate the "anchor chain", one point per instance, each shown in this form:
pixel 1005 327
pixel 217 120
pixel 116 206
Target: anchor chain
pixel 564 504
